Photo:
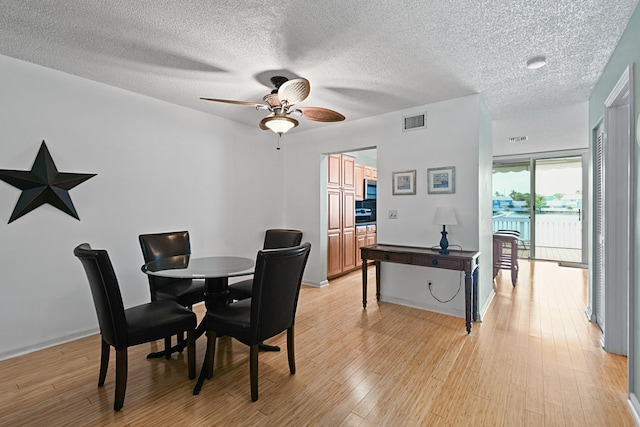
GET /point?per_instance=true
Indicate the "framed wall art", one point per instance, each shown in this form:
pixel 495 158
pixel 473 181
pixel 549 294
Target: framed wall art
pixel 441 180
pixel 404 182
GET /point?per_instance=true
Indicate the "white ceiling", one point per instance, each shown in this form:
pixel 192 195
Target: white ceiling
pixel 363 58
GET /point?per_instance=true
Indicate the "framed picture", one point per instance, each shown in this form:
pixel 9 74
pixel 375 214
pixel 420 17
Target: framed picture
pixel 404 182
pixel 441 180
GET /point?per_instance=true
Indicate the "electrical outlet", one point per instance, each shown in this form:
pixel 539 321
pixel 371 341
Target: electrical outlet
pixel 393 214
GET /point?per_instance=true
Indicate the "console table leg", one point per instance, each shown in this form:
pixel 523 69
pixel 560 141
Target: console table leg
pixel 476 312
pixel 364 283
pixel 468 288
pixel 377 280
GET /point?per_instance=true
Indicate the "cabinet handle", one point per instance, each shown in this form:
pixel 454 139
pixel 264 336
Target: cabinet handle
pixel 386 256
pixel 434 261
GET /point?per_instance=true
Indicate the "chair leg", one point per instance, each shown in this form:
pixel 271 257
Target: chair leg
pixel 514 263
pixel 290 351
pixel 253 371
pixel 180 338
pixel 167 347
pixel 191 353
pixel 211 351
pixel 121 378
pixel 104 362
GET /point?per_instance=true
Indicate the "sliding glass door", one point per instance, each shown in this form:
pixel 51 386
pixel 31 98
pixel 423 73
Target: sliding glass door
pixel 512 201
pixel 559 213
pixel 542 198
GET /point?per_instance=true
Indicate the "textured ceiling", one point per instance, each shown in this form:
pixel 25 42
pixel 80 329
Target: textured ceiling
pixel 363 58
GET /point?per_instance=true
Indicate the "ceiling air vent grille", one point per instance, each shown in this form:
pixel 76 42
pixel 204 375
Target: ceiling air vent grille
pixel 414 122
pixel 518 138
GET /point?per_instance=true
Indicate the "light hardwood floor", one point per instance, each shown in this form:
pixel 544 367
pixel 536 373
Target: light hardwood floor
pixel 534 360
pixel 552 254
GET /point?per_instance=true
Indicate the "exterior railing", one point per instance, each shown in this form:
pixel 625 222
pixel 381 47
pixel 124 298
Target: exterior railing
pixel 552 230
pixel 518 223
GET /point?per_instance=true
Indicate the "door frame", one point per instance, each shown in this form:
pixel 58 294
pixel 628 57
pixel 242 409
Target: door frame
pixel 531 158
pixel 619 191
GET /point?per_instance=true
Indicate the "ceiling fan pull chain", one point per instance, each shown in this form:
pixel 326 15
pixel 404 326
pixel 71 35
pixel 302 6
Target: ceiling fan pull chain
pixel 279 138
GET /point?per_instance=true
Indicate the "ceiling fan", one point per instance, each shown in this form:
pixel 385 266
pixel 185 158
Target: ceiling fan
pixel 280 103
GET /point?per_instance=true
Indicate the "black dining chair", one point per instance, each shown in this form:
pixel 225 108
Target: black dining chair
pixel 270 310
pixel 185 292
pixel 274 238
pixel 123 328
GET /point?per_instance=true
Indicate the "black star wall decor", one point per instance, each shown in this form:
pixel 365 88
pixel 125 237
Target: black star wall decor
pixel 43 184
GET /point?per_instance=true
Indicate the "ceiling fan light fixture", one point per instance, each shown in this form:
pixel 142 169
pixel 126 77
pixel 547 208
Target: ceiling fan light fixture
pixel 279 124
pixel 536 62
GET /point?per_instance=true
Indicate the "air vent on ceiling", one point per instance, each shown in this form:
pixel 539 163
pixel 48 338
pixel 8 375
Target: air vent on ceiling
pixel 414 122
pixel 518 138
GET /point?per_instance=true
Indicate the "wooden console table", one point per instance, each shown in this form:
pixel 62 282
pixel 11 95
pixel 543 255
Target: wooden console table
pixel 466 261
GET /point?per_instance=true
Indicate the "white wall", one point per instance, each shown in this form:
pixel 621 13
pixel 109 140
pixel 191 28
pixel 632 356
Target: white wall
pixel 554 129
pixel 159 168
pixel 453 138
pixel 485 205
pixel 162 167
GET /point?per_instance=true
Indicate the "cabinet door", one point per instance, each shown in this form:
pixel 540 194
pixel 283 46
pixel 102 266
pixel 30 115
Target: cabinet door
pixel 334 254
pixel 348 249
pixel 368 172
pixel 374 173
pixel 348 209
pixel 359 177
pixel 334 210
pixel 334 170
pixel 348 173
pixel 371 239
pixel 361 240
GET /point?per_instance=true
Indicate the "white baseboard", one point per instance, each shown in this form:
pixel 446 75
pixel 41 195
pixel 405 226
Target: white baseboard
pixel 46 344
pixel 634 406
pixel 450 311
pixel 589 313
pixel 321 284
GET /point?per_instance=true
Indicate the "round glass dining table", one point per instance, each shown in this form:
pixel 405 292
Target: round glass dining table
pixel 215 270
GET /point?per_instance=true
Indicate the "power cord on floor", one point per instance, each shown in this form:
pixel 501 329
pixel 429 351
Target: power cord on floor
pixel 450 299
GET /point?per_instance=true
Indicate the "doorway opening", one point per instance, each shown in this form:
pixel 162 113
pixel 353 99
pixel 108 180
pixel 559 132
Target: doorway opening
pixel 351 200
pixel 543 198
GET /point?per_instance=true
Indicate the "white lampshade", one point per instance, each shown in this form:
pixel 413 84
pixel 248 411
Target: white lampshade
pixel 445 216
pixel 280 124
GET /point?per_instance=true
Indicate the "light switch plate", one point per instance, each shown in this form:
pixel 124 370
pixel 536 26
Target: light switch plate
pixel 393 214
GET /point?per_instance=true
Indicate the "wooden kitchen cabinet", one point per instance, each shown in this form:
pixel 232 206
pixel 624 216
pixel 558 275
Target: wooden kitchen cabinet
pixel 348 230
pixel 359 177
pixel 348 173
pixel 334 231
pixel 361 240
pixel 370 173
pixel 341 230
pixel 348 254
pixel 334 254
pixel 334 170
pixel 365 236
pixel 371 235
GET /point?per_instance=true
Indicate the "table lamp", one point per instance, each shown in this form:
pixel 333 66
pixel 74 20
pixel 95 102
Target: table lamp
pixel 444 217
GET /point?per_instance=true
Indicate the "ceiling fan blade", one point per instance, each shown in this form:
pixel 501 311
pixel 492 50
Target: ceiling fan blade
pixel 229 101
pixel 318 114
pixel 294 91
